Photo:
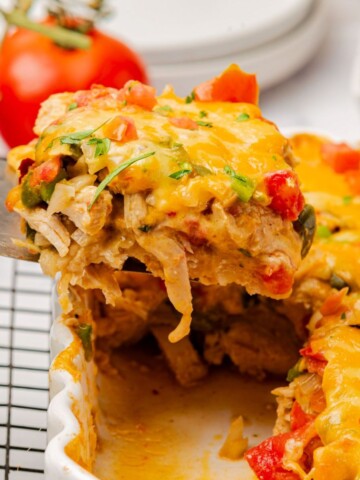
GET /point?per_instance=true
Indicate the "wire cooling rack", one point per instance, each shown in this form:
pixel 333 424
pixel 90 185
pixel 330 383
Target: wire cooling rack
pixel 24 361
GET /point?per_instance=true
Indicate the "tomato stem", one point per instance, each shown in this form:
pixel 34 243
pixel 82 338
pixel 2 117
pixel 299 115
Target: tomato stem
pixel 62 36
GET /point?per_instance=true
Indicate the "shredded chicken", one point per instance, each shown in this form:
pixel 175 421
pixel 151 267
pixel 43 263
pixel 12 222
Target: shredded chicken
pixel 49 226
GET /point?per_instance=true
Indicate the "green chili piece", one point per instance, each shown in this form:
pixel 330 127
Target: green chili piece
pixel 305 225
pixel 84 332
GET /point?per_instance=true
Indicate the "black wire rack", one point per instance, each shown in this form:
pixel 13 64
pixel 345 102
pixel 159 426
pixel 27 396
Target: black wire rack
pixel 25 318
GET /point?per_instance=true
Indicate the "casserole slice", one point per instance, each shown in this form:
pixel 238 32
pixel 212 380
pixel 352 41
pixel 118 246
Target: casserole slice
pixel 200 188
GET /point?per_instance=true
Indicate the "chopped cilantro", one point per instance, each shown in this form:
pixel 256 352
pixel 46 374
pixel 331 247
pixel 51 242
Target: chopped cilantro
pixel 164 108
pixel 347 199
pixel 72 106
pixel 102 145
pixel 114 173
pixel 323 231
pixel 76 137
pixel 242 117
pixel 242 185
pixel 190 98
pixel 177 145
pixel 180 173
pixel 203 114
pixel 201 123
pixel 245 252
pixel 343 316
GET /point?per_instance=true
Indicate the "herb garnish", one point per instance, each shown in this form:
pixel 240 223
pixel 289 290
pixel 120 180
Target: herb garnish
pixel 242 185
pixel 102 145
pixel 76 137
pixel 245 252
pixel 190 98
pixel 84 332
pixel 116 172
pixel 204 124
pixel 347 199
pixel 180 173
pixel 72 106
pixel 242 117
pixel 203 114
pixel 164 108
pixel 323 231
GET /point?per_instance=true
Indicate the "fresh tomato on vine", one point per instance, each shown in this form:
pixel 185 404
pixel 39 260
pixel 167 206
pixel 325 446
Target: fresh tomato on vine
pixel 39 59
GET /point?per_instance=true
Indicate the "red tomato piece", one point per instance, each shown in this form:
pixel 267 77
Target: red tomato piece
pixel 136 93
pixel 33 67
pixel 121 129
pixel 24 167
pixel 298 418
pixel 284 190
pixel 266 459
pixel 233 85
pixel 46 172
pixel 278 281
pixel 184 122
pixel 340 156
pixel 315 361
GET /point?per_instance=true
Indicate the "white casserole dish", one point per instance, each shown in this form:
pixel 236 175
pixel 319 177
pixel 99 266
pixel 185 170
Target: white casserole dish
pixel 73 400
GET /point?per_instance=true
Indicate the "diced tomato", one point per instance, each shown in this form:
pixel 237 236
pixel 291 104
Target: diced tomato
pixel 340 157
pixel 315 361
pixel 266 459
pixel 284 190
pixel 24 167
pixel 309 353
pixel 184 122
pixel 333 304
pixel 352 178
pixel 96 92
pixel 46 172
pixel 278 281
pixel 121 129
pixel 136 93
pixel 233 85
pixel 298 418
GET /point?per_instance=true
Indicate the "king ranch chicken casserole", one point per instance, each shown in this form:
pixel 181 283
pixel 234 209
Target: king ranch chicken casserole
pixel 197 188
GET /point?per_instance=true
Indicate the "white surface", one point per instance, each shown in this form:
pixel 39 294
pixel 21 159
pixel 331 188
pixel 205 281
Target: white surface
pixel 172 31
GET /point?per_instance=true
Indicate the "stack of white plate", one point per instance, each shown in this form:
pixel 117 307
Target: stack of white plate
pixel 185 42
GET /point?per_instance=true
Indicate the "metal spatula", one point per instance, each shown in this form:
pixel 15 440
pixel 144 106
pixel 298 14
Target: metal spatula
pixel 10 222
